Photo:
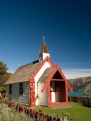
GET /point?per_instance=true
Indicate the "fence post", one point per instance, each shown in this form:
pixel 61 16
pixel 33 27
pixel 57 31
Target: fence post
pixel 61 119
pixel 65 118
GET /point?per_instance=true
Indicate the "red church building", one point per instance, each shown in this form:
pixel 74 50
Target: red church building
pixel 39 83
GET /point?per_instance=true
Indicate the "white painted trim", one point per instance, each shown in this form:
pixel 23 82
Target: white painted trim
pixel 45 55
pixel 37 77
pixel 52 91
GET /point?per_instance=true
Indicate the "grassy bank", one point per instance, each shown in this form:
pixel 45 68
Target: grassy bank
pixel 77 112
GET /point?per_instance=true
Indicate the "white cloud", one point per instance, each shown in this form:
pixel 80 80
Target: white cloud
pixel 75 73
pixel 10 71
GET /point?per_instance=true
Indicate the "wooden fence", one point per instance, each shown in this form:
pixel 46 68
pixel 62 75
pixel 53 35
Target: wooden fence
pixel 83 100
pixel 35 115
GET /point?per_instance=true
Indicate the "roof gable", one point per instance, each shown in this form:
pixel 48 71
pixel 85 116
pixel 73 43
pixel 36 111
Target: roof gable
pixel 57 75
pixel 47 59
pixel 49 76
pixel 46 74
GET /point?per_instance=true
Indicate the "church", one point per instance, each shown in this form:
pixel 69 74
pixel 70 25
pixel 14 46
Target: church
pixel 40 82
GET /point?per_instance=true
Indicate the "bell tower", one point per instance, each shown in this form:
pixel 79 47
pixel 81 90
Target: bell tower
pixel 43 53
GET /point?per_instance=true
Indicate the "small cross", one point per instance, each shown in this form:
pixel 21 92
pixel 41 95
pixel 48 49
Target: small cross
pixel 43 38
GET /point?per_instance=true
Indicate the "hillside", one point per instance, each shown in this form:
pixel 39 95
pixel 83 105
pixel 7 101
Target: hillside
pixel 81 84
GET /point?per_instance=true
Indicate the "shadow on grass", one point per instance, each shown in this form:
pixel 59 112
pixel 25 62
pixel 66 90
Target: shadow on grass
pixel 86 105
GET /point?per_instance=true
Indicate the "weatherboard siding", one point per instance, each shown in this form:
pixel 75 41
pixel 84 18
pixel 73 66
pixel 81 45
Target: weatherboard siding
pixel 24 99
pixel 37 77
pixel 42 96
pixel 15 92
pixel 15 95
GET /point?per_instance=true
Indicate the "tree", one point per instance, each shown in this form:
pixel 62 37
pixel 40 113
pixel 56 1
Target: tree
pixel 4 75
pixel 86 94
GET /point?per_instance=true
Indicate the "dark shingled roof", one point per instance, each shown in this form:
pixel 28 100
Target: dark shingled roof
pixel 43 48
pixel 46 74
pixel 23 73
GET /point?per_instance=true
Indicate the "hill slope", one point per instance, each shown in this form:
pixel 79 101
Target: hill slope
pixel 81 84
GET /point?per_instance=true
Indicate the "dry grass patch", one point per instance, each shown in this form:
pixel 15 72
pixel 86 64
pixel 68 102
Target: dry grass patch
pixel 10 114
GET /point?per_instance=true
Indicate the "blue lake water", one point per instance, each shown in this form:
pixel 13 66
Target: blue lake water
pixel 77 93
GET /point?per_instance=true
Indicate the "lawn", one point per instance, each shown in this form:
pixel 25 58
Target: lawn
pixel 77 112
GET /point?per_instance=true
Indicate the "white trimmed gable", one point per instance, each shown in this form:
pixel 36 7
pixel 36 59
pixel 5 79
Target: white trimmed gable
pixel 38 75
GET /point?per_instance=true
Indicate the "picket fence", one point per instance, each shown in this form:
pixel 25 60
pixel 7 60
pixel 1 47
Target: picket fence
pixel 35 115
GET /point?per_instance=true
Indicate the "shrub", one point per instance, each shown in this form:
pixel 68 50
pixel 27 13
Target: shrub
pixel 10 114
pixel 86 94
pixel 69 117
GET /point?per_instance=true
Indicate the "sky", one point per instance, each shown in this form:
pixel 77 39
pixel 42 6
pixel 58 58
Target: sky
pixel 66 25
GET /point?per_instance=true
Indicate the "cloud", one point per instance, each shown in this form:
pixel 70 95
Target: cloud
pixel 75 73
pixel 10 71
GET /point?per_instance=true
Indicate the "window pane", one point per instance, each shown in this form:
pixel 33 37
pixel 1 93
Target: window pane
pixel 21 88
pixel 10 88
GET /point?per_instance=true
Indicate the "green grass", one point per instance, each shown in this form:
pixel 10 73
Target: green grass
pixel 77 112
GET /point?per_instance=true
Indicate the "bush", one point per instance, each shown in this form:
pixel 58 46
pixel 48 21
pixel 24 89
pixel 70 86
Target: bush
pixel 2 91
pixel 69 117
pixel 10 114
pixel 86 94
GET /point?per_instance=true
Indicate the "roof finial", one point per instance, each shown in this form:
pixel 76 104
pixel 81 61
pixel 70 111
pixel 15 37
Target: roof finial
pixel 43 48
pixel 43 38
